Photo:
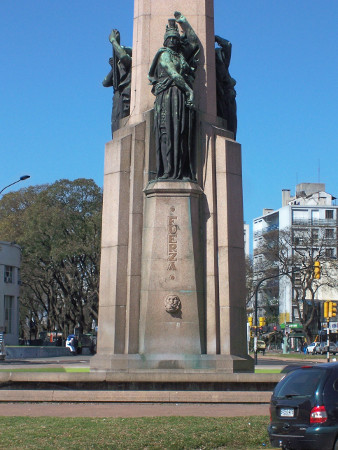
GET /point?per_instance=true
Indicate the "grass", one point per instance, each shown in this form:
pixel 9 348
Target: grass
pixel 268 370
pixel 295 355
pixel 291 355
pixel 134 433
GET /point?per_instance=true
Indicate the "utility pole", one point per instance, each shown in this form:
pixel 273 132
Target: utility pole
pixel 330 310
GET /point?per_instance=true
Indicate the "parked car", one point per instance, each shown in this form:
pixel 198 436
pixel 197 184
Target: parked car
pixel 333 348
pixel 322 348
pixel 261 346
pixel 2 346
pixel 72 343
pixel 311 347
pixel 303 409
pixel 88 341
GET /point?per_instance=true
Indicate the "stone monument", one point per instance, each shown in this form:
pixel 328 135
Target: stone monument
pixel 172 282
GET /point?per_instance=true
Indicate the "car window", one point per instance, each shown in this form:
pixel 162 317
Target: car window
pixel 301 383
pixel 335 384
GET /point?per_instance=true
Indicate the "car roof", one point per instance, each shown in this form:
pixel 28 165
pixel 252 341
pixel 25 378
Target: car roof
pixel 331 365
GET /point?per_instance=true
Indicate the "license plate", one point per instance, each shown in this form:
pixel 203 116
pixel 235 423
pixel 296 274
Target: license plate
pixel 287 412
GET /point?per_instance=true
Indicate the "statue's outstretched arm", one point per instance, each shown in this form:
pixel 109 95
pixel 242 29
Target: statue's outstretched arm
pixel 226 48
pixel 121 54
pixel 187 28
pixel 223 42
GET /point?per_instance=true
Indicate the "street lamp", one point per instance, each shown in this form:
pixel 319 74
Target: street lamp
pixel 22 178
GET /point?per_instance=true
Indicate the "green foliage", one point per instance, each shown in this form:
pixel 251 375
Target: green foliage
pixel 134 433
pixel 58 227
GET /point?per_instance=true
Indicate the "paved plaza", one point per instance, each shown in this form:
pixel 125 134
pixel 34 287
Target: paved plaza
pixel 91 409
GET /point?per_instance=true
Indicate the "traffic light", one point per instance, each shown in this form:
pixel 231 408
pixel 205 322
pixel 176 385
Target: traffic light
pixel 262 321
pixel 326 310
pixel 316 270
pixel 332 309
pixel 250 320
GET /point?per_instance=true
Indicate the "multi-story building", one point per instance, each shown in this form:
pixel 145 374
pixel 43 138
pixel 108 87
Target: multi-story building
pixel 312 216
pixel 246 239
pixel 10 258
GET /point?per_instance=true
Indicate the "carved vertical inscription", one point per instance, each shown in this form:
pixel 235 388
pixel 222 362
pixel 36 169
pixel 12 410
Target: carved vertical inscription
pixel 172 241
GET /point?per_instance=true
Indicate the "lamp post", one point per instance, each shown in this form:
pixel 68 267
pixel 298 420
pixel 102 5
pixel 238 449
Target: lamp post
pixel 22 178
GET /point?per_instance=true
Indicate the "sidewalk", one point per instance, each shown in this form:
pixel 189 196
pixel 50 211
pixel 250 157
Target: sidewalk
pixel 132 410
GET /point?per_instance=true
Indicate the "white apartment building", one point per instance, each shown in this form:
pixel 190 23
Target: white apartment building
pixel 312 212
pixel 246 239
pixel 10 259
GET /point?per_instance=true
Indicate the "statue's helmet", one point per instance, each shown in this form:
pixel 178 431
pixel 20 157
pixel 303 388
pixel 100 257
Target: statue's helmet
pixel 171 30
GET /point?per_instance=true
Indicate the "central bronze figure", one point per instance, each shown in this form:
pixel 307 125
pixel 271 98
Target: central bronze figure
pixel 172 74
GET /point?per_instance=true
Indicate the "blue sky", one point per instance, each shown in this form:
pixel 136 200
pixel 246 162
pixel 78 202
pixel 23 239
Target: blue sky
pixel 55 114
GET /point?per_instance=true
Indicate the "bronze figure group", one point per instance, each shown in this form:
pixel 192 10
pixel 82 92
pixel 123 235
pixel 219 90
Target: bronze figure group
pixel 172 74
pixel 119 78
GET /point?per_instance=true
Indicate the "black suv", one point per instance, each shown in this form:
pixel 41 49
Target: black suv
pixel 304 409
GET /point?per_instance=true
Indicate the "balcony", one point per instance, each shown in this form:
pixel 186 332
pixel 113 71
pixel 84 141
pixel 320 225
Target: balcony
pixel 315 222
pixel 265 230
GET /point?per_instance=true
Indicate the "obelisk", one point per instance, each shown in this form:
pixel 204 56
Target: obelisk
pixel 172 282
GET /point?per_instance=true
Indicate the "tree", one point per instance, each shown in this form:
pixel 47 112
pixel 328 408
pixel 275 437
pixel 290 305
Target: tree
pixel 293 252
pixel 249 284
pixel 58 227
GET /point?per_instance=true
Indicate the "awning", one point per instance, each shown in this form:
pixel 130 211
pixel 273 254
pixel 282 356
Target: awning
pixel 296 335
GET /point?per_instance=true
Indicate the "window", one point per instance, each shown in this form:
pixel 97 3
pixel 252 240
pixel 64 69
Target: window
pixel 315 234
pixel 335 385
pixel 315 216
pixel 329 233
pixel 329 214
pixel 301 382
pixel 9 301
pixel 299 216
pixel 300 237
pixel 8 278
pixel 329 252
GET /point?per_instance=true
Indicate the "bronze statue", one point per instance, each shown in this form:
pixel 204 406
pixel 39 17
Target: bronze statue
pixel 225 85
pixel 172 74
pixel 119 78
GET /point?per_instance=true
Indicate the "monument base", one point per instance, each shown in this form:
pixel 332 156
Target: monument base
pixel 177 363
pixel 172 306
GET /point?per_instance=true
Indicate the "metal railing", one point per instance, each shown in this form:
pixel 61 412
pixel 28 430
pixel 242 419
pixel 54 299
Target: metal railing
pixel 315 222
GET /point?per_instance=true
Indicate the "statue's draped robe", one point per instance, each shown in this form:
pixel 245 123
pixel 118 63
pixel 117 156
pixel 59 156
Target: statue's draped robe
pixel 225 88
pixel 121 81
pixel 173 121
